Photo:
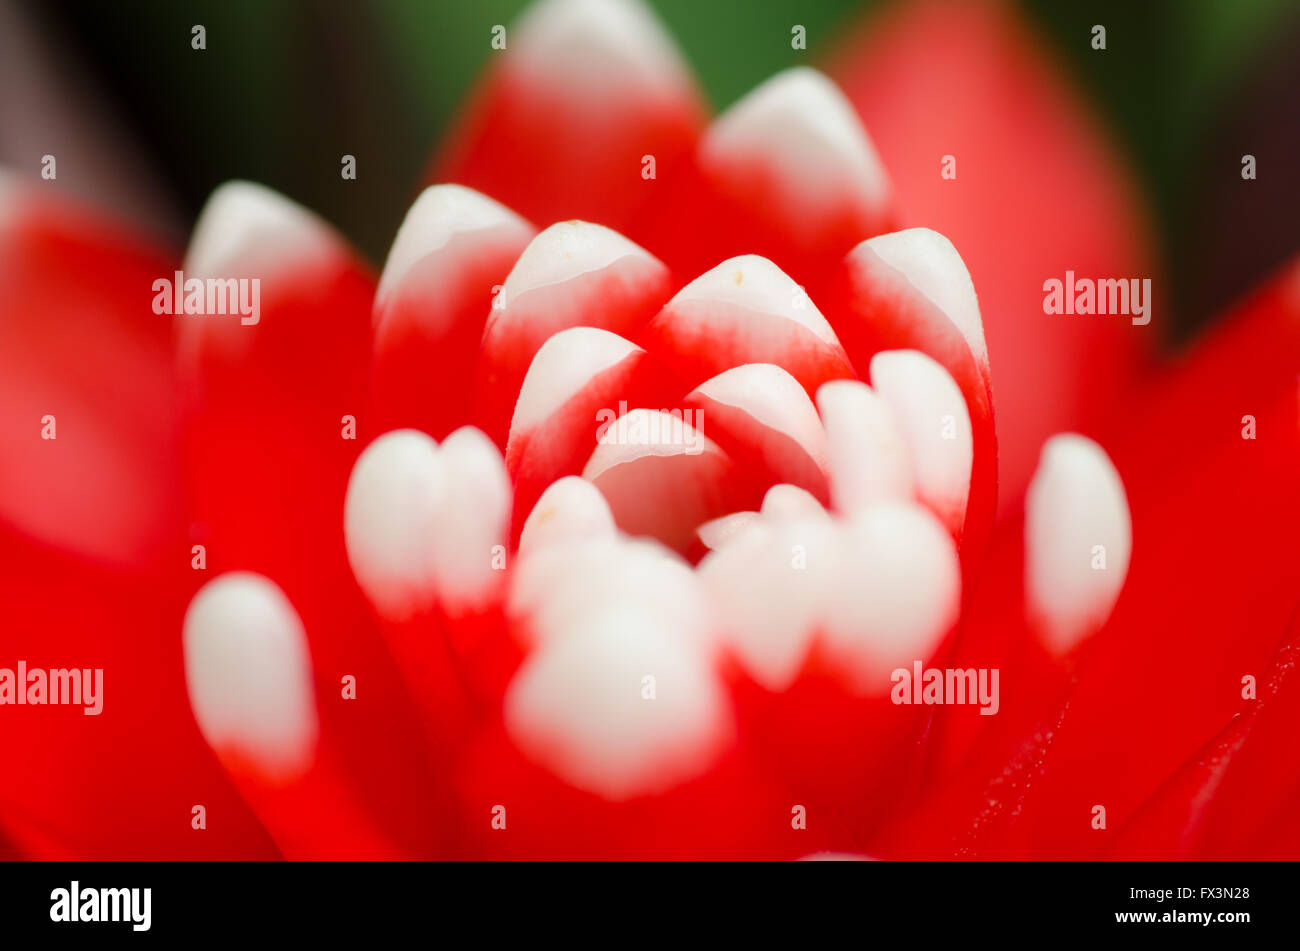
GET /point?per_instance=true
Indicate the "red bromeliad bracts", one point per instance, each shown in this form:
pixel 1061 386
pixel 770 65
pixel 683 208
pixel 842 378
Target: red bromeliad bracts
pixel 648 501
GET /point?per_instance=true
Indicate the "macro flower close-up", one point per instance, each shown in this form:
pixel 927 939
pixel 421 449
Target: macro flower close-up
pixel 824 474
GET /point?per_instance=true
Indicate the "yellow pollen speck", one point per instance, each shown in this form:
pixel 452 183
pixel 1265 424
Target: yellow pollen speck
pixel 739 278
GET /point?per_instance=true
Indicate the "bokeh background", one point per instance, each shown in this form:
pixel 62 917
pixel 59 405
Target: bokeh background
pixel 146 126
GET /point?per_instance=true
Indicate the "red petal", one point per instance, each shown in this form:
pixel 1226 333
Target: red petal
pixel 582 94
pixel 763 419
pixel 1038 190
pixel 789 173
pixel 573 274
pixel 910 290
pixel 663 479
pixel 79 343
pixel 268 450
pixel 580 377
pixel 746 311
pixel 92 553
pixel 447 262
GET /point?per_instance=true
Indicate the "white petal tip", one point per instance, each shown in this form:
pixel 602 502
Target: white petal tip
pixel 867 456
pixel 248 672
pixel 1078 541
pixel 935 423
pixel 245 225
pixel 621 706
pixel 930 262
pixel 393 496
pixel 439 214
pixel 565 364
pixel 754 283
pixel 566 250
pixel 802 124
pixel 592 48
pixel 569 508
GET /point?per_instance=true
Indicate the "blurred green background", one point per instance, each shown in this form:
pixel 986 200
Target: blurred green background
pixel 285 88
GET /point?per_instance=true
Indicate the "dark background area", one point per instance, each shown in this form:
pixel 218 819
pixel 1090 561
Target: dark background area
pixel 286 87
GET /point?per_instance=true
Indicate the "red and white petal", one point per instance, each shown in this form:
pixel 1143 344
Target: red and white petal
pixel 661 477
pixel 935 423
pixel 427 524
pixel 922 261
pixel 451 254
pixel 249 674
pixel 472 523
pixel 573 274
pixel 910 291
pixel 770 587
pixel 624 704
pixel 267 403
pixel 579 382
pixel 746 310
pixel 764 420
pixel 248 670
pixel 272 412
pixel 249 231
pixel 92 542
pixel 973 81
pixel 788 172
pixel 1078 540
pixel 869 460
pixel 389 521
pixel 573 73
pixel 570 507
pixel 897 595
pixel 553 586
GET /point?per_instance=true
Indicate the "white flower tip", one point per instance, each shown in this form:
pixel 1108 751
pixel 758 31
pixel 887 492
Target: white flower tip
pixel 800 122
pixel 246 226
pixel 932 265
pixel 935 423
pixel 773 398
pixel 389 514
pixel 881 589
pixel 868 459
pixel 646 432
pixel 754 283
pixel 771 586
pixel 565 364
pixel 249 675
pixel 899 593
pixel 439 214
pixel 620 706
pixel 566 250
pixel 472 522
pixel 1078 541
pixel 597 49
pixel 570 507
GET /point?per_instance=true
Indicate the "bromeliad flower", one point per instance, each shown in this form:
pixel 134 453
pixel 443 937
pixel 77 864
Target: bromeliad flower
pixel 647 503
